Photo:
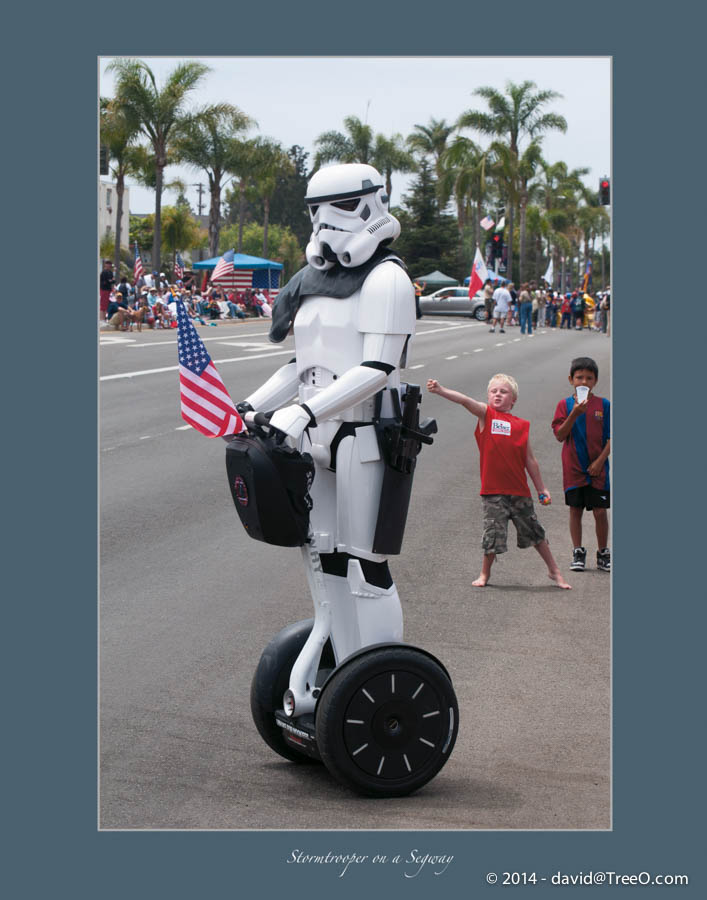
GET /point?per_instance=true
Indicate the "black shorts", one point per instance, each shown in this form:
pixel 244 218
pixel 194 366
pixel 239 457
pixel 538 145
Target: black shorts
pixel 588 497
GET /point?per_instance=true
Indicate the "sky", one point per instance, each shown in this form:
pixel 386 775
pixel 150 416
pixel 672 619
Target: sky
pixel 295 99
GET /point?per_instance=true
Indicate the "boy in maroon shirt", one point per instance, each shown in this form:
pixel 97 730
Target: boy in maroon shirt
pixel 583 428
pixel 505 457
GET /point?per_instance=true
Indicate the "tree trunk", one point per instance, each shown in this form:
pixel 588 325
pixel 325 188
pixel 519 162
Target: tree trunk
pixel 509 251
pixel 241 214
pixel 119 193
pixel 157 236
pixel 266 218
pixel 476 212
pixel 214 213
pixel 521 247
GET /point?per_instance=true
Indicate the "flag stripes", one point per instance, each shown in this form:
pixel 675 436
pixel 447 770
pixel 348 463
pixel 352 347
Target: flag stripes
pixel 205 403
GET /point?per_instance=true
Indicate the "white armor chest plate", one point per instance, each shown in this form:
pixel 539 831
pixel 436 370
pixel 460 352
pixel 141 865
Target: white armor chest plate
pixel 327 334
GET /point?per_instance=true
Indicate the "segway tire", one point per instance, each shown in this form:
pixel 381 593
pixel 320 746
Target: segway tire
pixel 386 721
pixel 270 681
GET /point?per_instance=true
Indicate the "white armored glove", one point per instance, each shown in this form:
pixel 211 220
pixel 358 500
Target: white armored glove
pixel 292 420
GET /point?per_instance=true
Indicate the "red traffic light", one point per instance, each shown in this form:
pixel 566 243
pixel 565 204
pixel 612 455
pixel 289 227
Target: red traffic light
pixel 604 192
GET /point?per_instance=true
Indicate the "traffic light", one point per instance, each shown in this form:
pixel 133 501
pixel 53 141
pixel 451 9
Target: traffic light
pixel 497 245
pixel 103 168
pixel 604 192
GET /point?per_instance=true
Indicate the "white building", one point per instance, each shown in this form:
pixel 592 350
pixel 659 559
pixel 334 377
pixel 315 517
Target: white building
pixel 108 210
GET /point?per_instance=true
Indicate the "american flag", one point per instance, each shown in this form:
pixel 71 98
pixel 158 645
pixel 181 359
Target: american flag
pixel 224 266
pixel 240 279
pixel 206 404
pixel 178 266
pixel 486 223
pixel 137 268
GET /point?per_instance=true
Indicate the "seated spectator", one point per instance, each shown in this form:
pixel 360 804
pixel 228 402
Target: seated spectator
pixel 116 302
pixel 143 312
pixel 265 307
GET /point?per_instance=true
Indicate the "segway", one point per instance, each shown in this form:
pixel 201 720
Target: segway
pixel 384 719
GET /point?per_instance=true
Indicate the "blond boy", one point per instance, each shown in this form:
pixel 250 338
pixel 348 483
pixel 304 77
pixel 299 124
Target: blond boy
pixel 506 460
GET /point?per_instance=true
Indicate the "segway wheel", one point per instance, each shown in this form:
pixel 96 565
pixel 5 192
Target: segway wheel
pixel 270 681
pixel 386 722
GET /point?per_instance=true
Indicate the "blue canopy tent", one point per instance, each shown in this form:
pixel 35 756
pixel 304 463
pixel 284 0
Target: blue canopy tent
pixel 249 271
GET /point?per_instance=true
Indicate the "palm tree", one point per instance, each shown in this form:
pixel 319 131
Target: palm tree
pixel 560 189
pixel 270 162
pixel 118 131
pixel 463 174
pixel 208 140
pixel 355 146
pixel 390 155
pixel 431 140
pixel 527 164
pixel 244 165
pixel 514 115
pixel 158 112
pixel 180 228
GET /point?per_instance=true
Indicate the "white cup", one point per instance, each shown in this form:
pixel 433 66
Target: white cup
pixel 582 393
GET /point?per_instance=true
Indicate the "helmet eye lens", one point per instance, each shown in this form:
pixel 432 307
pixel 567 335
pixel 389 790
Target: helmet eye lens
pixel 313 210
pixel 348 205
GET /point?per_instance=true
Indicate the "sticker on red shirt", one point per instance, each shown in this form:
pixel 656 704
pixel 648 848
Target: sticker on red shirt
pixel 499 426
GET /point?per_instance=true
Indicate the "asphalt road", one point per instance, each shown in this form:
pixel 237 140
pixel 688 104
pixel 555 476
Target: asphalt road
pixel 188 601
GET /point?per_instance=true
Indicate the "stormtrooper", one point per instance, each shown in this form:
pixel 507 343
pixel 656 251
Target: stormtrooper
pixel 344 688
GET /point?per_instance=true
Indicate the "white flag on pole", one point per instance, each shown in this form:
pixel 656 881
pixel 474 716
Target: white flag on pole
pixel 479 274
pixel 549 274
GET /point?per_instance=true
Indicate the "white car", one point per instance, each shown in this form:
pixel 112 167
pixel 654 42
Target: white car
pixel 454 301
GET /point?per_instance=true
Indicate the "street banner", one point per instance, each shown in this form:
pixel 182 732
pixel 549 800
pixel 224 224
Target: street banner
pixel 479 274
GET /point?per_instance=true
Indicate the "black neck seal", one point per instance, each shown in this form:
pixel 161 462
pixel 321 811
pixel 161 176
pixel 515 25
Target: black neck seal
pixel 337 282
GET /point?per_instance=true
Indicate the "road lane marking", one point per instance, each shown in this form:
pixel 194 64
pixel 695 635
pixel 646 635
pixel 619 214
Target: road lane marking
pixel 451 357
pixel 448 328
pixel 418 366
pixel 219 362
pixel 206 340
pixel 225 339
pixel 115 339
pixel 502 344
pixel 250 347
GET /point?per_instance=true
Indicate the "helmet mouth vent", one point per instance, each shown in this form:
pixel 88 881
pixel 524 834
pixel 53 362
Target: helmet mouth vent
pixel 379 223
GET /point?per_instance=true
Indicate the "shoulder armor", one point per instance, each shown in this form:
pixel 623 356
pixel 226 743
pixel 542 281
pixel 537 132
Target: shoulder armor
pixel 387 301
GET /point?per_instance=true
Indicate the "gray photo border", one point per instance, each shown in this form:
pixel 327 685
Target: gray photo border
pixel 52 783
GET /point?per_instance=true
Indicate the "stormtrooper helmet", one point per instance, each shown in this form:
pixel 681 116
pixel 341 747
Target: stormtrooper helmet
pixel 348 207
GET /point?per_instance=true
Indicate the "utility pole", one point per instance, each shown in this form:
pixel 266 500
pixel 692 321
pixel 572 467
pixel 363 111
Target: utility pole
pixel 200 192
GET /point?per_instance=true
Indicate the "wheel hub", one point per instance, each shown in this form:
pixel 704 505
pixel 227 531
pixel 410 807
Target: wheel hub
pixel 393 724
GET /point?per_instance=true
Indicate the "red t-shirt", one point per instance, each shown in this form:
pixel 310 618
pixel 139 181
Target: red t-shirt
pixel 503 446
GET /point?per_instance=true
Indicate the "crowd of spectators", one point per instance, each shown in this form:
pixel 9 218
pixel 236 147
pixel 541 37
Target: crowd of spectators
pixel 538 306
pixel 152 301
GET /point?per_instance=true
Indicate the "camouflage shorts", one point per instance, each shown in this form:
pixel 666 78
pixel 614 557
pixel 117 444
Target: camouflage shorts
pixel 498 509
